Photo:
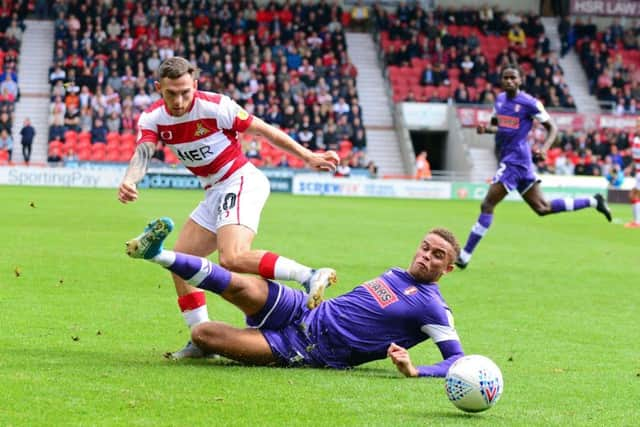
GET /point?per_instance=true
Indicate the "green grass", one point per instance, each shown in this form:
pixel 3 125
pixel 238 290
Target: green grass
pixel 553 301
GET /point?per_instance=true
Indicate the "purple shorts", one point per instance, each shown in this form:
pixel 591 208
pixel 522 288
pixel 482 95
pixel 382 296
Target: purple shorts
pixel 282 322
pixel 515 177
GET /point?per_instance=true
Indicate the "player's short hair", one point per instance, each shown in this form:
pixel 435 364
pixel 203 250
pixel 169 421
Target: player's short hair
pixel 450 238
pixel 511 66
pixel 175 68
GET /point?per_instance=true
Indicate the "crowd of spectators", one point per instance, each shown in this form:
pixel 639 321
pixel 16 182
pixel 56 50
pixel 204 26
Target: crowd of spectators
pixel 286 63
pixel 12 27
pixel 611 60
pixel 597 152
pixel 458 54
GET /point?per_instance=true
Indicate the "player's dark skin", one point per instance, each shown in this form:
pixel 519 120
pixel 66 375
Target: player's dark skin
pixel 511 82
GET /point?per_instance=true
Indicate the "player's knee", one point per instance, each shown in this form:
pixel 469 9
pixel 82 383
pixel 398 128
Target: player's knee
pixel 542 208
pixel 205 335
pixel 231 261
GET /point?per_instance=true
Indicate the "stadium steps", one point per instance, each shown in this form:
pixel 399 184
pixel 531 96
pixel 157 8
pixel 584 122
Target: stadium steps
pixel 570 63
pixel 36 56
pixel 481 156
pixel 382 141
pixel 550 24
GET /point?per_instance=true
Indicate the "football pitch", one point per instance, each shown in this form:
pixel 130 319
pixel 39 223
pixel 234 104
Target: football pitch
pixel 554 301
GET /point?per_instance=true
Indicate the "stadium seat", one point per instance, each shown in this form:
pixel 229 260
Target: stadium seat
pixel 124 156
pixel 83 144
pixel 113 145
pixel 443 93
pixel 55 145
pixel 97 156
pixel 84 155
pixel 113 137
pixel 84 137
pixel 127 138
pixel 112 156
pixel 71 135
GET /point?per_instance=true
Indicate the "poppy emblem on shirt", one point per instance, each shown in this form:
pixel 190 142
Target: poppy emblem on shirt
pixel 201 130
pixel 411 290
pixel 242 114
pixel 167 135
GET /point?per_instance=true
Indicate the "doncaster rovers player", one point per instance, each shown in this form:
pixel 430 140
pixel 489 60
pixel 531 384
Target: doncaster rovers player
pixel 202 129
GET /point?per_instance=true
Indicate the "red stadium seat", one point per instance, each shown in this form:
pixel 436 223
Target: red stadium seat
pixel 345 144
pixel 84 155
pixel 113 137
pixel 429 92
pixel 84 137
pixel 128 138
pixel 55 145
pixel 443 93
pixel 113 145
pixel 70 135
pixel 97 156
pixel 112 156
pixel 124 156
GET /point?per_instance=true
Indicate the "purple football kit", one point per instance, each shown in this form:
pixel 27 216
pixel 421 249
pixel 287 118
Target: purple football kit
pixel 514 117
pixel 516 170
pixel 345 331
pixel 359 326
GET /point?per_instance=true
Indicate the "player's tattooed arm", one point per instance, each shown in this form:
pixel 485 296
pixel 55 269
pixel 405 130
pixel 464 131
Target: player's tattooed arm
pixel 139 163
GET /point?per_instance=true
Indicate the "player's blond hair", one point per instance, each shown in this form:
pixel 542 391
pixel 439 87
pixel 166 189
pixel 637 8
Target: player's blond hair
pixel 175 68
pixel 450 238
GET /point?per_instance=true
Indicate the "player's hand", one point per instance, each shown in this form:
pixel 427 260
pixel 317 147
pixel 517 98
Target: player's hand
pixel 539 155
pixel 127 192
pixel 400 357
pixel 326 161
pixel 480 129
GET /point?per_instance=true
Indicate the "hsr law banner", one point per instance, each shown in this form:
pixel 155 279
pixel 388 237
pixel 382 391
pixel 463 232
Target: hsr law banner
pixel 629 8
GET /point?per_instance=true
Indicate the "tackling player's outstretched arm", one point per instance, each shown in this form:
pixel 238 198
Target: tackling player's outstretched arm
pixel 326 161
pixel 138 166
pixel 451 351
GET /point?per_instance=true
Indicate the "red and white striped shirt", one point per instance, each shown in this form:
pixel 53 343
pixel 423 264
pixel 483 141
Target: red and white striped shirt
pixel 205 139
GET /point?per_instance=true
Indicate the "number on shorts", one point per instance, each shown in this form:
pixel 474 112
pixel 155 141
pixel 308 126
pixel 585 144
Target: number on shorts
pixel 229 201
pixel 500 171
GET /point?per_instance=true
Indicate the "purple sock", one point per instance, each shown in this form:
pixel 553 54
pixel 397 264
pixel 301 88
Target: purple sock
pixel 477 231
pixel 565 205
pixel 185 266
pixel 215 278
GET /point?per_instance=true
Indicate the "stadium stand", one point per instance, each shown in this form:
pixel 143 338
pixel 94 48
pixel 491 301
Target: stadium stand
pixel 11 29
pixel 287 64
pixel 611 59
pixel 453 54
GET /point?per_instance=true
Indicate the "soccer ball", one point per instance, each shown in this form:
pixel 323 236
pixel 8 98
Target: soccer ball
pixel 474 383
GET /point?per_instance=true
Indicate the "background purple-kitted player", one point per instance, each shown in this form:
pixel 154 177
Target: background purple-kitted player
pixel 513 115
pixel 377 319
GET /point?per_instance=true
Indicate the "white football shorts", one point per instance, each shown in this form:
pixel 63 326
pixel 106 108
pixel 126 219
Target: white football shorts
pixel 238 200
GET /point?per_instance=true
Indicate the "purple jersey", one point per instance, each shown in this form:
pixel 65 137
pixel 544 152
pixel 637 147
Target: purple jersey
pixel 515 118
pixel 359 326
